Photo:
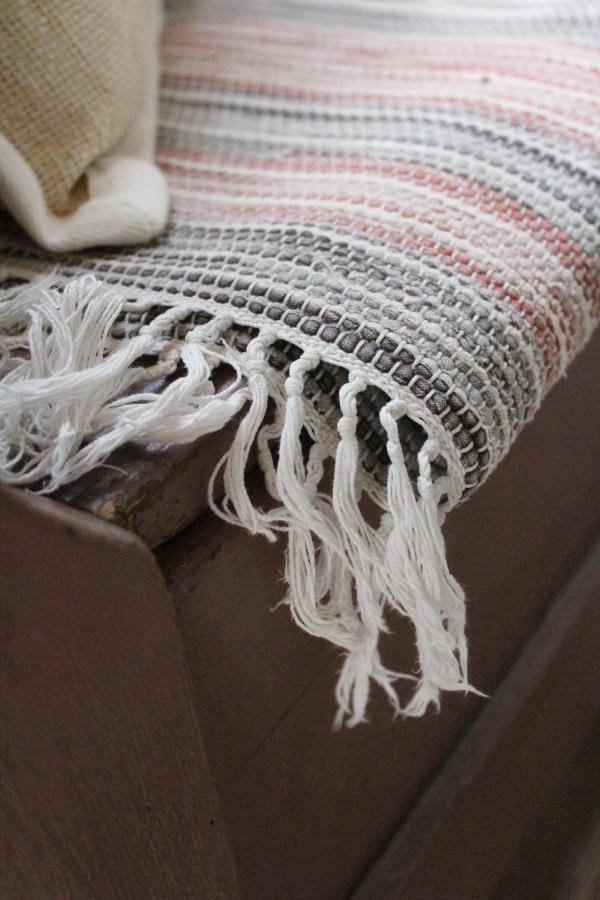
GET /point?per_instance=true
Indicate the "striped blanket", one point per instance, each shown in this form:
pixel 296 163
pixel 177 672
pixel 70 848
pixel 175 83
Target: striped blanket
pixel 384 217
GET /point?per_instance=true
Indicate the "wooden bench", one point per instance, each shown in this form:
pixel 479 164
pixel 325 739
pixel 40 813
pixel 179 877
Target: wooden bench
pixel 167 734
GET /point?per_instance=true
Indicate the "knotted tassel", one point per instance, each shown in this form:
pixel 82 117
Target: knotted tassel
pixel 452 598
pixel 364 549
pixel 270 432
pixel 415 563
pixel 237 507
pixel 306 520
pixel 362 543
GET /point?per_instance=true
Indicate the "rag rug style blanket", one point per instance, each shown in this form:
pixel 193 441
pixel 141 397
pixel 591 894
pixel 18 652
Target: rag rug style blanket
pixel 384 217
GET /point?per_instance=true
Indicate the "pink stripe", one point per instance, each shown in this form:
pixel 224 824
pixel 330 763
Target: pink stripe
pixel 411 62
pixel 485 235
pixel 484 198
pixel 291 33
pixel 488 107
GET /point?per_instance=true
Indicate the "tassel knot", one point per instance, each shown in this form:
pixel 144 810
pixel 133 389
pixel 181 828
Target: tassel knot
pixel 294 385
pixel 256 363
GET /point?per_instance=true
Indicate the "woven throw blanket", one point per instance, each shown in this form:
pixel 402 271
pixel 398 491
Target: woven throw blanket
pixel 385 219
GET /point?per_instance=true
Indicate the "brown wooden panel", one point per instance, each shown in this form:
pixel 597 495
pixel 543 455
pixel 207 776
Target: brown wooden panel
pixel 459 840
pixel 248 664
pixel 308 808
pixel 105 787
pixel 559 856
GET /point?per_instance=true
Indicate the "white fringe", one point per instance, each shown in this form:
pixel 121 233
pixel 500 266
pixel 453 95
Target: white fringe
pixel 63 410
pixel 237 508
pixel 415 562
pixel 363 548
pixel 68 385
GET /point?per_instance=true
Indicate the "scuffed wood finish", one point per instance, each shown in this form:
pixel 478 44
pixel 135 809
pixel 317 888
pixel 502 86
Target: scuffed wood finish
pixel 105 786
pixel 459 839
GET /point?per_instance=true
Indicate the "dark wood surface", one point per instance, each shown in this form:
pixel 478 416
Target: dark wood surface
pixel 460 838
pixel 558 856
pixel 97 682
pixel 105 788
pixel 309 808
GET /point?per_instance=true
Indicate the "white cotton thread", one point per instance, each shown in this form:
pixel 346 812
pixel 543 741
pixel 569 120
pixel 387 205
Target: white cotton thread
pixel 64 408
pixel 315 550
pixel 361 542
pixel 452 597
pixel 413 560
pixel 62 401
pixel 364 549
pixel 266 435
pixel 236 506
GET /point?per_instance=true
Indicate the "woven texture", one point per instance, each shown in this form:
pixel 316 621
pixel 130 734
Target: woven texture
pixel 396 205
pixel 414 192
pixel 71 77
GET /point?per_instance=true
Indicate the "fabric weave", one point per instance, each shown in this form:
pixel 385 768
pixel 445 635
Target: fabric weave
pixel 408 192
pixel 78 98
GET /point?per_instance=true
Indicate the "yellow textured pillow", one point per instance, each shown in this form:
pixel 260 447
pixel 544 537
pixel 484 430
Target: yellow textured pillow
pixel 77 120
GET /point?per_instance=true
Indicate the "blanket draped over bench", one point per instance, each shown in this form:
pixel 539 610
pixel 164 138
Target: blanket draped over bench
pixel 384 216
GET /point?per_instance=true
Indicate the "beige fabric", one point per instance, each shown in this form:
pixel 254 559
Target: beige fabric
pixel 78 109
pixel 71 77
